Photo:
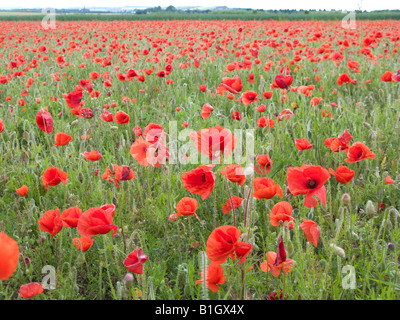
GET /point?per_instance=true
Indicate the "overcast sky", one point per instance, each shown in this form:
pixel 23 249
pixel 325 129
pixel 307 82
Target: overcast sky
pixel 255 4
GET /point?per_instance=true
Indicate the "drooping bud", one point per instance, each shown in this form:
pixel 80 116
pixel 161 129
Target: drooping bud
pixel 339 251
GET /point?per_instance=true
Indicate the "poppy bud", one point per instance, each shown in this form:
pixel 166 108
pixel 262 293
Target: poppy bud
pixel 25 135
pixel 346 199
pixel 367 125
pixel 370 209
pixel 339 251
pixel 188 289
pixel 114 128
pixel 81 259
pixel 289 247
pixel 75 122
pixel 80 177
pixel 128 279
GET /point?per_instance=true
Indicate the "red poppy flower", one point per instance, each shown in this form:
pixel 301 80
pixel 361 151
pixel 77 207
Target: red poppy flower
pixel 22 191
pixel 387 76
pixel 264 164
pixel 187 207
pixel 265 188
pixel 62 139
pixel 242 250
pixel 357 152
pixel 107 116
pixel 200 180
pixel 235 173
pixel 315 101
pixel 96 221
pixel 154 132
pixel 343 78
pixel 1 126
pixel 135 260
pixel 263 122
pixel 214 142
pixel 267 95
pixel 309 180
pixel 121 117
pixel 249 97
pixel 92 155
pixel 261 108
pixel 45 121
pixel 236 201
pixel 340 143
pixel 222 243
pixel 30 290
pixel 70 217
pixel 282 211
pixel 9 256
pixel 277 261
pixel 139 151
pixel 51 222
pixel 282 82
pixel 206 111
pixel 389 180
pixel 311 231
pixel 83 243
pixel 233 85
pixel 343 174
pixel 73 99
pixel 214 276
pixel 303 144
pixel 236 115
pixel 52 176
pixel 119 173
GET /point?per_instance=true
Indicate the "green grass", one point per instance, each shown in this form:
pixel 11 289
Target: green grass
pixel 145 203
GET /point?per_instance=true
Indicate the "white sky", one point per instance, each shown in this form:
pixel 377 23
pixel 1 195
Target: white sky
pixel 256 4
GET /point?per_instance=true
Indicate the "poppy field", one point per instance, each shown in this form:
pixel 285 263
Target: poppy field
pixel 190 160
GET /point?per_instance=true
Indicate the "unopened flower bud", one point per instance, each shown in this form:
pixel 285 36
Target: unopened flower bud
pixel 346 199
pixel 367 125
pixel 339 251
pixel 370 209
pixel 128 279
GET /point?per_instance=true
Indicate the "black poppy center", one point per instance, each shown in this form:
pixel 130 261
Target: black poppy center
pixel 312 184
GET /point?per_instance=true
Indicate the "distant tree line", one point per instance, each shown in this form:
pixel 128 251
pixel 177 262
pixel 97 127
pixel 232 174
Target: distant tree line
pixel 220 13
